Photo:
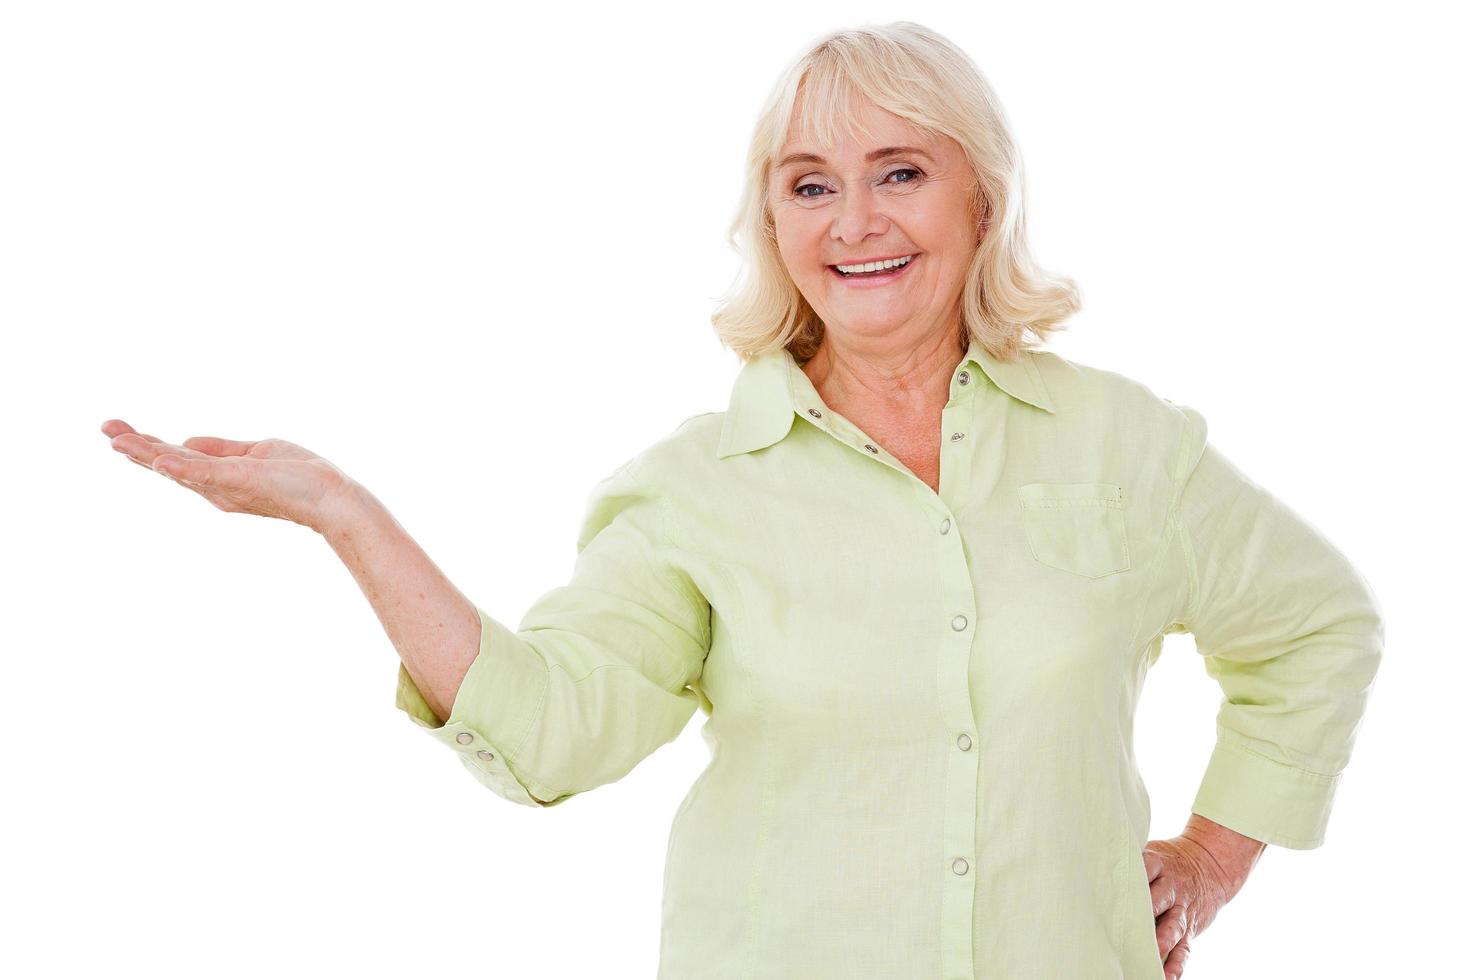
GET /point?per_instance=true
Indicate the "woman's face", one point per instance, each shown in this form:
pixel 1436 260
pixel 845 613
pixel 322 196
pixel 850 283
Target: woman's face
pixel 858 202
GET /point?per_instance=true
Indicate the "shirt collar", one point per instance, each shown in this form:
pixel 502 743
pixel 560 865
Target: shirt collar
pixel 771 388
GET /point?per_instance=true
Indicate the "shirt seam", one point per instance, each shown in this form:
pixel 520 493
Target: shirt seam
pixel 665 539
pixel 1162 536
pixel 1233 740
pixel 1189 554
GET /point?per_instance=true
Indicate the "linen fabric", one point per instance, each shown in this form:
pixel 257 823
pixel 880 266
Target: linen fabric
pixel 919 705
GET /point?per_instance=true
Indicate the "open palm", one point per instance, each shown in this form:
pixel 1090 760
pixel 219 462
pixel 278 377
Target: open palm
pixel 269 478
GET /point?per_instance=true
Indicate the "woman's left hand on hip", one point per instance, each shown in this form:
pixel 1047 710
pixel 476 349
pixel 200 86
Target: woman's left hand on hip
pixel 1187 890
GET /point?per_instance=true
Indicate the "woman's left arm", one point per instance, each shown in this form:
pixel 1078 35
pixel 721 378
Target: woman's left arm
pixel 1293 635
pixel 1291 632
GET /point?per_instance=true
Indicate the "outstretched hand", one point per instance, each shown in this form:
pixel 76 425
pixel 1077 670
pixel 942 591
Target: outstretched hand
pixel 269 478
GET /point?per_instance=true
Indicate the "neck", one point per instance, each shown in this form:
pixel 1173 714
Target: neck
pixel 905 378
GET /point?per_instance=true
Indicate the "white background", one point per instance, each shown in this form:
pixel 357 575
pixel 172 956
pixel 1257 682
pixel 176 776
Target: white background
pixel 469 253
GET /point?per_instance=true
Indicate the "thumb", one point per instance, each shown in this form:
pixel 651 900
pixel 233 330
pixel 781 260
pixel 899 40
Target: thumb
pixel 215 446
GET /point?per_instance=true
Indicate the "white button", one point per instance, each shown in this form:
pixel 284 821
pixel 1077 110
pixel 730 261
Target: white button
pixel 963 378
pixel 958 436
pixel 815 413
pixel 465 738
pixel 959 623
pixel 488 756
pixel 871 449
pixel 964 741
pixel 946 525
pixel 959 866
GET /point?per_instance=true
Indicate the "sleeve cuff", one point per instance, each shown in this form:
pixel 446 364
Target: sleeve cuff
pixel 498 701
pixel 1264 799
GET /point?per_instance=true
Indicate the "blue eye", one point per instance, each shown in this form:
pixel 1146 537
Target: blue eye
pixel 798 191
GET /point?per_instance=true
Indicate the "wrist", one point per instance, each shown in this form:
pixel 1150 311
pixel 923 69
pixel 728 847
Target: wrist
pixel 347 508
pixel 1231 854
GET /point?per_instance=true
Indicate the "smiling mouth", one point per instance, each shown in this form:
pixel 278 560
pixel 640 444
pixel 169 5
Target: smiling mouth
pixel 882 276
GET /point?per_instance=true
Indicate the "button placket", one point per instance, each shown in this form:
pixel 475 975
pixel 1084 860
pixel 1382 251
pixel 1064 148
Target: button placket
pixel 846 432
pixel 956 462
pixel 960 795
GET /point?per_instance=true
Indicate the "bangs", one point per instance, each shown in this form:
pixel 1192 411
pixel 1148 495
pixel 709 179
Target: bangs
pixel 821 111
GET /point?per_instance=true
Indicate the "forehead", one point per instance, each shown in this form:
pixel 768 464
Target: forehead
pixel 836 127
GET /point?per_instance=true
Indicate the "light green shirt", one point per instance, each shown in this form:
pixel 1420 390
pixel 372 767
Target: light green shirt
pixel 919 705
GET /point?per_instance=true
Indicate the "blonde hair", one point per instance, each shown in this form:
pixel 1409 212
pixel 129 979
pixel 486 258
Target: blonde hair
pixel 917 75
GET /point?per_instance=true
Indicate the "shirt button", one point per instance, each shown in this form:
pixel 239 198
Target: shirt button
pixel 815 413
pixel 946 525
pixel 959 866
pixel 465 738
pixel 964 741
pixel 483 754
pixel 871 448
pixel 959 623
pixel 958 436
pixel 964 378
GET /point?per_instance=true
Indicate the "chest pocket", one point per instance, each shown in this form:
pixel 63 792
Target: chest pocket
pixel 1076 527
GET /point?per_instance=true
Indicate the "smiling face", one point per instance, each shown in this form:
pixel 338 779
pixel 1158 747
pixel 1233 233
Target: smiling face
pixel 899 192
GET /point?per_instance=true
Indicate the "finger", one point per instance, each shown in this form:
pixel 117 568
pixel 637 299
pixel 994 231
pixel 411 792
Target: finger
pixel 1171 929
pixel 133 450
pixel 215 446
pixel 1163 894
pixel 146 448
pixel 198 472
pixel 117 427
pixel 132 445
pixel 1176 960
pixel 1154 864
pixel 139 462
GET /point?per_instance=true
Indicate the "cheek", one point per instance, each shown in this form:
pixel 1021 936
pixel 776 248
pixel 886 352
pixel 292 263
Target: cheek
pixel 942 221
pixel 800 248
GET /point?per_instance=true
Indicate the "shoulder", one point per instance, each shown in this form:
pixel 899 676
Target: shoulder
pixel 683 454
pixel 1085 390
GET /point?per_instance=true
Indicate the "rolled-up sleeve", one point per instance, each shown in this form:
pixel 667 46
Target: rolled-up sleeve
pixel 1291 632
pixel 599 673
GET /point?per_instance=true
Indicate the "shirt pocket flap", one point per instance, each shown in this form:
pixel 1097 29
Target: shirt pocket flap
pixel 1076 527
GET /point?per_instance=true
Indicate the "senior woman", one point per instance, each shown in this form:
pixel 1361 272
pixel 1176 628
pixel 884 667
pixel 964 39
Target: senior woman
pixel 914 575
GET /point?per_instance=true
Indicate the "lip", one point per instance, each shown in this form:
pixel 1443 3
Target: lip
pixel 878 258
pixel 873 281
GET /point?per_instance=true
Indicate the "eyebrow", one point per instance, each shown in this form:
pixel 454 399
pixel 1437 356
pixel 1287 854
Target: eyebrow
pixel 888 151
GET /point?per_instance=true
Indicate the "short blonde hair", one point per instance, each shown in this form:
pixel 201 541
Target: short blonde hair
pixel 918 75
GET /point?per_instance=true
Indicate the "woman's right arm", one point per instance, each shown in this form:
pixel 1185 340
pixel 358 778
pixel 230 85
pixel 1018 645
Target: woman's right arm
pixel 602 670
pixel 433 626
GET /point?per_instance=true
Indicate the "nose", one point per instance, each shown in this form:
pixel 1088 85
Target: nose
pixel 857 217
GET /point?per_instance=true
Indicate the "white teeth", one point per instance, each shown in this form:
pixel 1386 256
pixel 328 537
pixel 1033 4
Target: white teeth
pixel 875 266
